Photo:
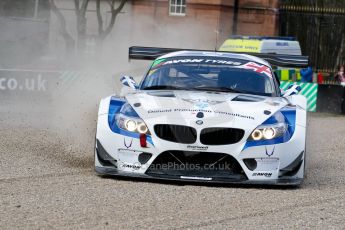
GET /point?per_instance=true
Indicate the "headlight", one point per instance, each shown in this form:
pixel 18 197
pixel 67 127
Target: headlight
pixel 268 132
pixel 132 124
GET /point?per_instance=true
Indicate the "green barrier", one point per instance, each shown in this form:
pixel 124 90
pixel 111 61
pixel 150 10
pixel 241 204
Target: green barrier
pixel 309 90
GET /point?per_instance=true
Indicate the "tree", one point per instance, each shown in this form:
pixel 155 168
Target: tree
pixel 103 33
pixel 81 7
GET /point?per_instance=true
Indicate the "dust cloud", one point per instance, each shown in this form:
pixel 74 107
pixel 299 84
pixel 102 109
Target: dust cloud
pixel 74 85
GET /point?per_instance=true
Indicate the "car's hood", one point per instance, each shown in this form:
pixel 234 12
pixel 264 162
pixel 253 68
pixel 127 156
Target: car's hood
pixel 187 107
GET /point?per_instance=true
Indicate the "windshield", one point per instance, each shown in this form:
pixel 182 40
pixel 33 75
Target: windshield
pixel 210 74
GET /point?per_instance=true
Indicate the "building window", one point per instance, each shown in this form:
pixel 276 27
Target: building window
pixel 177 7
pixel 28 9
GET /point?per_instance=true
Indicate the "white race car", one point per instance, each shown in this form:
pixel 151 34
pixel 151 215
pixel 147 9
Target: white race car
pixel 204 116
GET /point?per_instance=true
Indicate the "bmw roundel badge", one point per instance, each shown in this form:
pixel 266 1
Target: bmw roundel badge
pixel 199 122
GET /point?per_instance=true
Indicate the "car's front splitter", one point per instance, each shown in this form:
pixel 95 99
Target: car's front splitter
pixel 278 182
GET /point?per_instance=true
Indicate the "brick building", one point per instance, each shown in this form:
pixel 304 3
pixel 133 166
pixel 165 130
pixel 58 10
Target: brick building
pixel 200 23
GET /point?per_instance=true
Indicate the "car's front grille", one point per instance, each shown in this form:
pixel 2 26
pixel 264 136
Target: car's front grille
pixel 174 164
pixel 221 136
pixel 176 133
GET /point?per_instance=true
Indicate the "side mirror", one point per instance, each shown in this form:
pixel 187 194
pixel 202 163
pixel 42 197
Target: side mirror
pixel 292 90
pixel 129 81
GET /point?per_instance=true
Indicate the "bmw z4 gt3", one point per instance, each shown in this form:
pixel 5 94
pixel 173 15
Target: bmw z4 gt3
pixel 204 116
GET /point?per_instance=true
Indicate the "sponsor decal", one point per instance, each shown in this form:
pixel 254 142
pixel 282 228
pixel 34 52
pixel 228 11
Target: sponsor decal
pixel 265 174
pixel 176 61
pixel 159 111
pixel 235 115
pixel 200 110
pixel 270 153
pixel 127 145
pixel 179 110
pixel 197 147
pixel 163 61
pixel 204 61
pixel 257 68
pixel 199 122
pixel 128 151
pixel 135 166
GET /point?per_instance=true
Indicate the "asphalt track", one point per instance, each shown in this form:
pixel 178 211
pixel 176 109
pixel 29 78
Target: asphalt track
pixel 47 179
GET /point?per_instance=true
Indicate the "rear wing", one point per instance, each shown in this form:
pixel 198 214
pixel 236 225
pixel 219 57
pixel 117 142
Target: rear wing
pixel 281 60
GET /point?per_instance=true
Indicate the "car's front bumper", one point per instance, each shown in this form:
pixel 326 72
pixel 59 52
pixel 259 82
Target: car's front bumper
pixel 268 169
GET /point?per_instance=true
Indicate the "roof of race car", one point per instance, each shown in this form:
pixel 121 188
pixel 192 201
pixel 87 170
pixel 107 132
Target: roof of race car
pixel 215 54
